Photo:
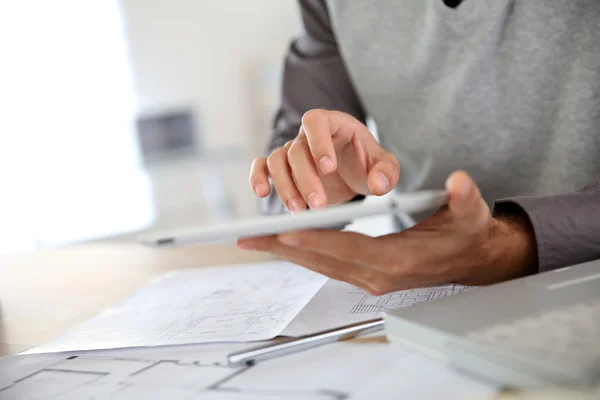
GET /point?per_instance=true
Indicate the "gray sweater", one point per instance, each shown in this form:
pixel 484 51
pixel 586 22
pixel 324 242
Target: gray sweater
pixel 508 90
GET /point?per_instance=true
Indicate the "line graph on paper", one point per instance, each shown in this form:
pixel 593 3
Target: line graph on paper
pixel 339 303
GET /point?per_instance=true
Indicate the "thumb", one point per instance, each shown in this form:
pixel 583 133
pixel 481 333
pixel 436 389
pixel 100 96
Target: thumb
pixel 464 197
pixel 384 171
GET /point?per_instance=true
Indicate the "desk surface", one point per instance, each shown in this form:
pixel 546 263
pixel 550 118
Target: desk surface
pixel 45 293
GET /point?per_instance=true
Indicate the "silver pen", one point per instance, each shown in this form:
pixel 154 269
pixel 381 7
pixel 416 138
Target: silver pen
pixel 294 345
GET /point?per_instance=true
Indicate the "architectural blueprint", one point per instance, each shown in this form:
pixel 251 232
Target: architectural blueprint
pixel 237 304
pixel 339 303
pixel 101 377
pixel 223 304
pixel 337 371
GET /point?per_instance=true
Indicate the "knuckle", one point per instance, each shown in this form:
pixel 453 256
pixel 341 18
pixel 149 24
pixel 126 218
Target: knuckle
pixel 312 115
pixel 254 170
pixel 394 159
pixel 256 164
pixel 254 180
pixel 391 162
pixel 277 156
pixel 293 150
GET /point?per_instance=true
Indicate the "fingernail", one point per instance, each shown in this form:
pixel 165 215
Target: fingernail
pixel 382 182
pixel 289 239
pixel 314 201
pixel 326 165
pixel 295 206
pixel 261 189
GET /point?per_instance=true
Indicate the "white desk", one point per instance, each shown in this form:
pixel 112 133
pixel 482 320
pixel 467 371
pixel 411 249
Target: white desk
pixel 43 294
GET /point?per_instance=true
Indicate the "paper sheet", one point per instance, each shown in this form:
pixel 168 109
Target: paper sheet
pixel 339 303
pixel 349 370
pixel 220 304
pixel 369 369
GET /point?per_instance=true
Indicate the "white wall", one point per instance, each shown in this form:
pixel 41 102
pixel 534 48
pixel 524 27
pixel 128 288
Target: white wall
pixel 202 53
pixel 222 59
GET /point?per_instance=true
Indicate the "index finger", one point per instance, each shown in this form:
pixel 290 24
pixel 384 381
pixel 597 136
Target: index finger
pixel 317 128
pixel 321 127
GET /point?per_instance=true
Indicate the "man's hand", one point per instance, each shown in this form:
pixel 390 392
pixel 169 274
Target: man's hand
pixel 461 243
pixel 333 159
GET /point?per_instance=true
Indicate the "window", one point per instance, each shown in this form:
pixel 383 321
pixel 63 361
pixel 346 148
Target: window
pixel 69 164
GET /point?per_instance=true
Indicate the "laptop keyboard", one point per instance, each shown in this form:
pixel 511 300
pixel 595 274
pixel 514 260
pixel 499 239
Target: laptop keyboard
pixel 568 337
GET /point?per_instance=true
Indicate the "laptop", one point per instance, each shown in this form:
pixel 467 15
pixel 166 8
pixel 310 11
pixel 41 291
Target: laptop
pixel 539 331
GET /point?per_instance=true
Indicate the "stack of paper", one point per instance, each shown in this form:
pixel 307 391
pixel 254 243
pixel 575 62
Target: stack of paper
pixel 233 304
pixel 114 355
pixel 220 304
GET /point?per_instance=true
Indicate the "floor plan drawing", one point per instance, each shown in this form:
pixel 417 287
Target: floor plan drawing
pixel 338 371
pixel 403 298
pixel 360 370
pixel 101 377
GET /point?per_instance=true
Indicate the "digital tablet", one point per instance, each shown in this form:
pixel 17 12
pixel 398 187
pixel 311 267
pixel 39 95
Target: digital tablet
pixel 331 216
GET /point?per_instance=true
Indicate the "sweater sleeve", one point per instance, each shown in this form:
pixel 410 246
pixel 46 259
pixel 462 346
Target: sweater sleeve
pixel 566 226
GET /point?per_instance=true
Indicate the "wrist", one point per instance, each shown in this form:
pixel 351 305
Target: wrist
pixel 513 245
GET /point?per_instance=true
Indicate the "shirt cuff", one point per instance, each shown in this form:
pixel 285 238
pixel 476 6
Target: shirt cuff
pixel 564 226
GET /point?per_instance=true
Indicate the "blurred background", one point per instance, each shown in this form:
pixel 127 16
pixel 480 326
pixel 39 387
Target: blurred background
pixel 120 117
